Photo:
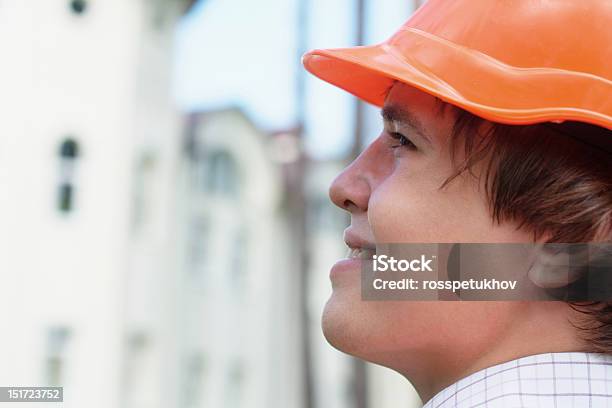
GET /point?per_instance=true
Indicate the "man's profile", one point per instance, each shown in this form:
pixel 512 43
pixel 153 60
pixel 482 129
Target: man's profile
pixel 490 110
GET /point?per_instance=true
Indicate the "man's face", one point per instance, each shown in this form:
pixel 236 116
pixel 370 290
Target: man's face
pixel 392 192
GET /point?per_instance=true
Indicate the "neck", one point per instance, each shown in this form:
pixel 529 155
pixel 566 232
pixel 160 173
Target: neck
pixel 433 370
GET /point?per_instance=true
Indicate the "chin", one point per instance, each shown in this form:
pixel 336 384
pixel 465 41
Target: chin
pixel 357 329
pixel 360 329
pixel 341 327
pixel 374 331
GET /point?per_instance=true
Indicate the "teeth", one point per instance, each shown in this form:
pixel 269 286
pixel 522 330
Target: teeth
pixel 355 252
pixel 360 253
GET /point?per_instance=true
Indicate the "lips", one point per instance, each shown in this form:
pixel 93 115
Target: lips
pixel 359 247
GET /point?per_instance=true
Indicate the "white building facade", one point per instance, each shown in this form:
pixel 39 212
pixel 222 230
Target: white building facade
pixel 86 116
pixel 240 286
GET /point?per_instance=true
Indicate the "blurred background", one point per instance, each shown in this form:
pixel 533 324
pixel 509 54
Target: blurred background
pixel 165 230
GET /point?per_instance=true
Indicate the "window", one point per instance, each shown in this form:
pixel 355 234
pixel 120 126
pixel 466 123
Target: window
pixel 143 190
pixel 237 258
pixel 68 154
pixel 198 249
pixel 137 367
pixel 235 384
pixel 221 173
pixel 55 364
pixel 78 7
pixel 193 380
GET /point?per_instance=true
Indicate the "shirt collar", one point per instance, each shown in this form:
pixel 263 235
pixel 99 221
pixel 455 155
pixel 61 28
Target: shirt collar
pixel 550 379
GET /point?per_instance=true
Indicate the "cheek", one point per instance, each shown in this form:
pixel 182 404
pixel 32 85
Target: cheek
pixel 409 209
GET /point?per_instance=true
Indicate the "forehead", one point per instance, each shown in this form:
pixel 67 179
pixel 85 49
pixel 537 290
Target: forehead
pixel 406 101
pixel 412 99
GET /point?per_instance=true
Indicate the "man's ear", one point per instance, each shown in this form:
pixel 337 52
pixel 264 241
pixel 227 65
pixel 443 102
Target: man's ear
pixel 560 265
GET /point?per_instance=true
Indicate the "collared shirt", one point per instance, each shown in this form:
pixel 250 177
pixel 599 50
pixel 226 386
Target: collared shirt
pixel 556 380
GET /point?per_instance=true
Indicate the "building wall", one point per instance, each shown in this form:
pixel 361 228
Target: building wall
pixel 78 76
pixel 240 307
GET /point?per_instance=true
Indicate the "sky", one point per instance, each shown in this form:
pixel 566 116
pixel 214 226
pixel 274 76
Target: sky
pixel 244 53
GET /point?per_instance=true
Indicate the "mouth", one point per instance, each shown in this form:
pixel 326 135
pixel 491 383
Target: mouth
pixel 360 253
pixel 350 265
pixel 358 246
pixel 360 250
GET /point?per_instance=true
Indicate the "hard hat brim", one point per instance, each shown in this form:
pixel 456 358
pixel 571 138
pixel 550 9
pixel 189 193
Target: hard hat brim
pixel 466 78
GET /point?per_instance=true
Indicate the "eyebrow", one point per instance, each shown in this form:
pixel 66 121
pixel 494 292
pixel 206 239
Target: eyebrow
pixel 392 113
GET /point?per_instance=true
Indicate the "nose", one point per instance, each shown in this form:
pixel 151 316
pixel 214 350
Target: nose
pixel 351 189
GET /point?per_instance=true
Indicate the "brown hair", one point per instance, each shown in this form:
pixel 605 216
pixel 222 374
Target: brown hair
pixel 554 180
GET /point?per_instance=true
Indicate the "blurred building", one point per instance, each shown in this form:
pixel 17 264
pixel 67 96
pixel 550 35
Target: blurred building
pixel 243 289
pixel 238 336
pixel 88 152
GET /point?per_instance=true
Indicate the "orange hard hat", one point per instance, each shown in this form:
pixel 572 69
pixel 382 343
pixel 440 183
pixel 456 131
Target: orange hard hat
pixel 514 62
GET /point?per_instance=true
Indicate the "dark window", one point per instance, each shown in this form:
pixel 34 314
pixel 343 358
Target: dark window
pixel 68 153
pixel 78 6
pixel 69 149
pixel 65 201
pixel 221 174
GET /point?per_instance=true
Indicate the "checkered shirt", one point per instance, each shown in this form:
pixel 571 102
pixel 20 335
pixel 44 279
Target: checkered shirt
pixel 556 380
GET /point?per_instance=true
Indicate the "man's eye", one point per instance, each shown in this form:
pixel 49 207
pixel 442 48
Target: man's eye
pixel 402 141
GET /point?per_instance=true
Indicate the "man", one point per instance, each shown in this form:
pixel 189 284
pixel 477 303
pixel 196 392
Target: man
pixel 497 118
